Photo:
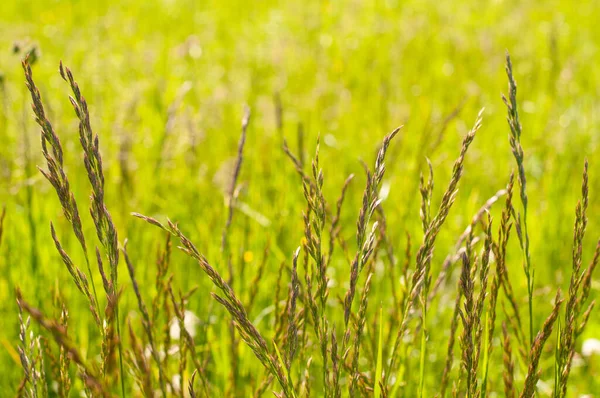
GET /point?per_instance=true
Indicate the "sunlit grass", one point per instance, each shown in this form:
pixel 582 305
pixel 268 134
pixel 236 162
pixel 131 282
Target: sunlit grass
pixel 166 84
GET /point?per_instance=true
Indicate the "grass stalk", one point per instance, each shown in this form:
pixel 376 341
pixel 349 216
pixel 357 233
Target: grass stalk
pixel 517 150
pixel 105 229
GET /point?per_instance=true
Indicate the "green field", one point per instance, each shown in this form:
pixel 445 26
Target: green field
pixel 167 83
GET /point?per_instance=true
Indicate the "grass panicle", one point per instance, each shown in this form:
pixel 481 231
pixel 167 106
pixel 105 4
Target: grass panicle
pixel 499 251
pixel 365 243
pixel 314 225
pixel 517 150
pixel 577 296
pixel 292 331
pixel 468 318
pixel 455 255
pixel 57 177
pixel 479 319
pixel 421 278
pixel 533 373
pixel 370 202
pixel 105 229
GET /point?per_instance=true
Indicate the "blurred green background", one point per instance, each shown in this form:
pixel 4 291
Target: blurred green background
pixel 166 82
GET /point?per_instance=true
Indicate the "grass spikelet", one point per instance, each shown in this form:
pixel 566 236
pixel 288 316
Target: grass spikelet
pixel 359 333
pixel 533 373
pixel 483 293
pixel 468 316
pixel 64 383
pixel 586 283
pixel 279 313
pixel 369 204
pixel 162 266
pixel 335 365
pixel 426 190
pixel 27 356
pixel 78 276
pixel 499 251
pixel 89 377
pixel 577 295
pixel 292 331
pixel 509 367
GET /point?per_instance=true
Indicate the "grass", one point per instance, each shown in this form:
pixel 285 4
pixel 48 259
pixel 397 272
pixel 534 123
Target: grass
pixel 312 257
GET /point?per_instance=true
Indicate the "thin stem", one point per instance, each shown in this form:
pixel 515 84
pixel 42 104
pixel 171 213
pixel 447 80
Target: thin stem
pixel 87 262
pixel 120 347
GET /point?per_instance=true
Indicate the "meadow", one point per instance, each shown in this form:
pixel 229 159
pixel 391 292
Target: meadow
pixel 355 198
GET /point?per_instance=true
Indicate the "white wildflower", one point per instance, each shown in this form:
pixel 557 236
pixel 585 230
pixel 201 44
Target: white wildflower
pixel 176 383
pixel 590 347
pixel 190 321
